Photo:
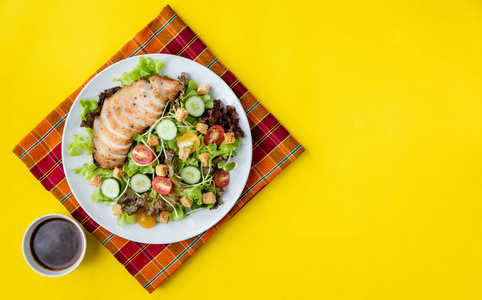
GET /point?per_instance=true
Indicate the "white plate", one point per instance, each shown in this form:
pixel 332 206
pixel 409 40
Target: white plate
pixel 193 224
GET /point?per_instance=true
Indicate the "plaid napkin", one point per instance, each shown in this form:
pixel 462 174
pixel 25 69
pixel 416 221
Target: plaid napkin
pixel 273 150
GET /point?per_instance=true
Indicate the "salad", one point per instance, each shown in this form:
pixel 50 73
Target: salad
pixel 175 167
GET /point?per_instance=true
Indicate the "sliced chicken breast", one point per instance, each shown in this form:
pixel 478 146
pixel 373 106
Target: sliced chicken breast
pixel 129 111
pixel 143 105
pixel 135 112
pixel 101 150
pixel 126 120
pixel 164 88
pixel 104 163
pixel 111 118
pixel 144 100
pixel 110 133
pixel 108 144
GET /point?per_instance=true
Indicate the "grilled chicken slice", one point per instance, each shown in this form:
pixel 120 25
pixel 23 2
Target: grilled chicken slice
pixel 108 144
pixel 135 112
pixel 104 163
pixel 164 88
pixel 129 111
pixel 102 151
pixel 126 120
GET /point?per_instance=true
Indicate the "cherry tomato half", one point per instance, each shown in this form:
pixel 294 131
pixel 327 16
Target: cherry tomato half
pixel 215 135
pixel 189 140
pixel 162 185
pixel 142 155
pixel 221 179
pixel 144 219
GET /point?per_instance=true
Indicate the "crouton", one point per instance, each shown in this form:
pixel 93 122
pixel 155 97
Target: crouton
pixel 209 198
pixel 203 89
pixel 95 181
pixel 153 141
pixel 118 173
pixel 202 128
pixel 186 201
pixel 184 153
pixel 229 138
pixel 181 114
pixel 117 209
pixel 164 217
pixel 161 170
pixel 204 157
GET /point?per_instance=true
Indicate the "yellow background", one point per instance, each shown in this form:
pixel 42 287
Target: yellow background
pixel 385 95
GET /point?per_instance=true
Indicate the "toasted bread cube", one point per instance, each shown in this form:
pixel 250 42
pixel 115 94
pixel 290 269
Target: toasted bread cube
pixel 117 209
pixel 203 89
pixel 186 201
pixel 184 153
pixel 162 170
pixel 153 141
pixel 164 217
pixel 204 157
pixel 95 181
pixel 209 198
pixel 229 138
pixel 181 114
pixel 118 173
pixel 202 128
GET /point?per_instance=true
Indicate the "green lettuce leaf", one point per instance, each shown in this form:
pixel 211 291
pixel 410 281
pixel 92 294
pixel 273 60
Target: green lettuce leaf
pixel 193 121
pixel 138 138
pixel 148 169
pixel 124 219
pixel 80 144
pixel 98 197
pixel 208 101
pixel 130 167
pixel 172 145
pixel 230 147
pixel 176 217
pixel 191 87
pixel 88 105
pixel 89 170
pixel 195 194
pixel 213 152
pixel 229 167
pixel 145 68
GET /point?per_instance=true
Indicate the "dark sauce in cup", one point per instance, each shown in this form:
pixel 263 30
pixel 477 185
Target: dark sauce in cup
pixel 56 244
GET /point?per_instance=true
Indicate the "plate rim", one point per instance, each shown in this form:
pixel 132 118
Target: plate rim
pixel 248 137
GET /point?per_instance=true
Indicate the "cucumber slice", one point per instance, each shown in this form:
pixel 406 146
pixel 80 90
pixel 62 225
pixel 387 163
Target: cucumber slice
pixel 190 175
pixel 110 188
pixel 140 183
pixel 195 106
pixel 166 129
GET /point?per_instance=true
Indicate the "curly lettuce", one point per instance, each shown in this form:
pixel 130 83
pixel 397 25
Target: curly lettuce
pixel 98 197
pixel 177 214
pixel 88 105
pixel 124 219
pixel 145 68
pixel 89 170
pixel 82 144
pixel 194 193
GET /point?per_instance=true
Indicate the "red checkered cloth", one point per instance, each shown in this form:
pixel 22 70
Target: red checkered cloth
pixel 274 148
